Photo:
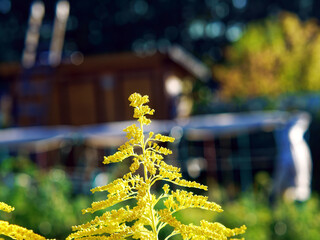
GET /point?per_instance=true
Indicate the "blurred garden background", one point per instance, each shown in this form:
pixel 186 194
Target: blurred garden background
pixel 236 82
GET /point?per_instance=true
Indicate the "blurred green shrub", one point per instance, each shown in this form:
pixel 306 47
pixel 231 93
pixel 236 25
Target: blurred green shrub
pixel 44 202
pixel 265 221
pixel 274 56
pixel 42 198
pixel 285 221
pixel 297 220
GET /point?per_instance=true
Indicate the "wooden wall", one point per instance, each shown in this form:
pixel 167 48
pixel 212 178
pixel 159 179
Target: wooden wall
pixel 93 92
pixel 80 100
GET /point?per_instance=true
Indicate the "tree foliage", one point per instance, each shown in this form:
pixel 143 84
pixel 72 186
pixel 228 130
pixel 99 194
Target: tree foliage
pixel 275 56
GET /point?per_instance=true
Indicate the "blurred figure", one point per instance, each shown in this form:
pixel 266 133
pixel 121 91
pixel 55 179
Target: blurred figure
pixel 302 157
pixel 294 165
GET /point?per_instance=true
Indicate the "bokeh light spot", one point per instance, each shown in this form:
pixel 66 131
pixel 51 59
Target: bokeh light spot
pixel 77 58
pixel 234 32
pixel 215 29
pixel 45 228
pixel 196 29
pixel 222 10
pixel 240 4
pixel 280 228
pixel 140 7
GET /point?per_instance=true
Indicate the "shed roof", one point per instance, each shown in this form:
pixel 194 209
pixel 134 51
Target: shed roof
pixel 125 61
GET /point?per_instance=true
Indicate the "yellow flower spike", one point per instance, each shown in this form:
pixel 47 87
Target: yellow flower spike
pixel 144 221
pixel 137 100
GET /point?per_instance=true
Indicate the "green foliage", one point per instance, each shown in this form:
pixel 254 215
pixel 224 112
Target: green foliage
pixel 202 97
pixel 297 220
pixel 42 199
pixel 37 208
pixel 282 220
pixel 285 220
pixel 275 56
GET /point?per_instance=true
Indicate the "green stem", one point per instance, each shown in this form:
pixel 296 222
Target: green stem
pixel 172 234
pixel 153 220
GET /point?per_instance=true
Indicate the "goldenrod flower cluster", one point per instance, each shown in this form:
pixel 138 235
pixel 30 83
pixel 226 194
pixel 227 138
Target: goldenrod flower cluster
pixel 15 231
pixel 5 207
pixel 145 221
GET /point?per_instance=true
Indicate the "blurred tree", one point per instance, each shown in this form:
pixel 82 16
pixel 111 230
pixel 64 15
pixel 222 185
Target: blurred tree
pixel 278 55
pixel 202 27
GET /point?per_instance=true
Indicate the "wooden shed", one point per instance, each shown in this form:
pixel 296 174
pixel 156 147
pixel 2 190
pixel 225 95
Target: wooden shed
pixel 96 89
